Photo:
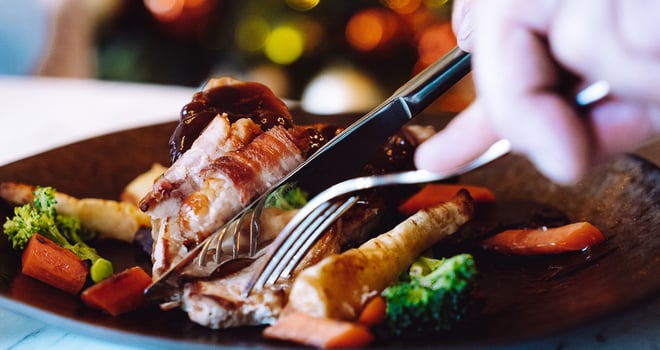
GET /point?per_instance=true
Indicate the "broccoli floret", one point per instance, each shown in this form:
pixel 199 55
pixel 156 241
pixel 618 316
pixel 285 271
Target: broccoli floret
pixel 40 216
pixel 287 197
pixel 433 297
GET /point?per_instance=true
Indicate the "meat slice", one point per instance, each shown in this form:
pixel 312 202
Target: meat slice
pixel 182 178
pixel 235 158
pixel 219 303
pixel 223 188
pixel 233 180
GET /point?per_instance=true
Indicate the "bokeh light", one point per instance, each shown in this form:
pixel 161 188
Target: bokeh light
pixel 302 5
pixel 313 32
pixel 288 41
pixel 435 3
pixel 165 10
pixel 284 45
pixel 370 29
pixel 434 42
pixel 170 10
pixel 182 18
pixel 403 6
pixel 251 33
pixel 341 89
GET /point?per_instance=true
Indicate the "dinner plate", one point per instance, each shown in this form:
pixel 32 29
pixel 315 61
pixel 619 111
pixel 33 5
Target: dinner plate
pixel 524 297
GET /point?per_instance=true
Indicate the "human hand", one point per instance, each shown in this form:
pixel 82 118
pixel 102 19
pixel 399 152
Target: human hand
pixel 522 53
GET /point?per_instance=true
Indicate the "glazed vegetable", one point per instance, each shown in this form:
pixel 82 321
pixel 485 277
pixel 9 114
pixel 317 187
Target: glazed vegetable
pixel 339 285
pixel 40 216
pixel 119 293
pixel 319 332
pixel 373 312
pixel 433 297
pixel 545 240
pixel 434 194
pixel 47 262
pixel 109 218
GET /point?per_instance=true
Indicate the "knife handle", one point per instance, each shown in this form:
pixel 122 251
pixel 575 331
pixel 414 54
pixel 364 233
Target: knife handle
pixel 424 88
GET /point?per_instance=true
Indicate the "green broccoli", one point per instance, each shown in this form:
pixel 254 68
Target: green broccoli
pixel 433 297
pixel 287 197
pixel 40 216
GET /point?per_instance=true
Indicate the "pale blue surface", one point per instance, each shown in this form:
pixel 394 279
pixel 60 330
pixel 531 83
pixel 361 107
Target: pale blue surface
pixel 636 329
pixel 23 35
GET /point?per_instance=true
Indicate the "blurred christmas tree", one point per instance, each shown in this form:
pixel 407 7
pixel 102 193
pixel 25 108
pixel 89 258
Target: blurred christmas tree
pixel 283 43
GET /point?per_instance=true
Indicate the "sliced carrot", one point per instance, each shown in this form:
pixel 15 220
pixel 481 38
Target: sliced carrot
pixel 571 237
pixel 48 262
pixel 119 293
pixel 321 332
pixel 373 312
pixel 433 194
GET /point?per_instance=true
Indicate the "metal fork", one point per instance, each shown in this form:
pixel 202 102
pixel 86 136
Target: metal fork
pixel 304 229
pixel 224 247
pixel 297 237
pixel 372 129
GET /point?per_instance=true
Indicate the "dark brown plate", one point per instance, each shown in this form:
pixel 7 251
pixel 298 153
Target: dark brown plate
pixel 525 297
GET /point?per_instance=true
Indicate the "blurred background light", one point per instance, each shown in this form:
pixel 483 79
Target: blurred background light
pixel 436 3
pixel 284 45
pixel 434 42
pixel 294 46
pixel 339 90
pixel 370 29
pixel 403 6
pixel 302 5
pixel 165 10
pixel 251 33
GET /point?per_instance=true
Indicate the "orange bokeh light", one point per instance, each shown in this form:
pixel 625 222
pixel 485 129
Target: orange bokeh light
pixel 370 29
pixel 165 10
pixel 403 6
pixel 434 42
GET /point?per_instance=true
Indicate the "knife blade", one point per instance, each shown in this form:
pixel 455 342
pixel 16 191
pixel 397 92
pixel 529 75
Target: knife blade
pixel 344 156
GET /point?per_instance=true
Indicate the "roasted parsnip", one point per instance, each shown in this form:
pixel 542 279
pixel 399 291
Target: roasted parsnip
pixel 340 285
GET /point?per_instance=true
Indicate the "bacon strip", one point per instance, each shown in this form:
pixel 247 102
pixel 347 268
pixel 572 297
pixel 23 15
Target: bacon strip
pixel 182 178
pixel 232 180
pixel 219 190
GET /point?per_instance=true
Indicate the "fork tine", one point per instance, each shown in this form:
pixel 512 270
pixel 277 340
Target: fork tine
pixel 274 252
pixel 305 235
pixel 254 226
pixel 216 241
pixel 293 242
pixel 311 235
pixel 296 239
pixel 281 256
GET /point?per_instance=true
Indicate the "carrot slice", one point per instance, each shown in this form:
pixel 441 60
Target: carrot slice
pixel 47 262
pixel 119 293
pixel 321 332
pixel 373 312
pixel 571 237
pixel 434 194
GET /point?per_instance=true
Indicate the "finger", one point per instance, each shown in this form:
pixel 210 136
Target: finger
pixel 467 136
pixel 529 112
pixel 611 40
pixel 462 23
pixel 620 126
